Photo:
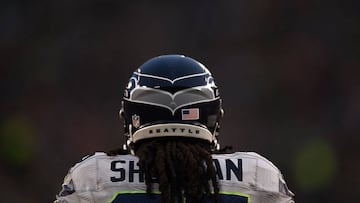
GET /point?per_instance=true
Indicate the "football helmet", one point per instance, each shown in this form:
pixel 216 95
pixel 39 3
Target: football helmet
pixel 171 96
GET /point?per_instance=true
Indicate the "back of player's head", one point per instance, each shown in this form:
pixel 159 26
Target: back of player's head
pixel 171 96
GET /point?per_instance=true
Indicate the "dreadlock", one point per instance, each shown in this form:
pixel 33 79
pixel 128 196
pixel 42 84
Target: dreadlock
pixel 182 168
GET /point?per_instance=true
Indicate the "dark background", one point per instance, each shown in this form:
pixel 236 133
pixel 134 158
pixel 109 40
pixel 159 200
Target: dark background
pixel 288 73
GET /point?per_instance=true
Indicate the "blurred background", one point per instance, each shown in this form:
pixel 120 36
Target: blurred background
pixel 288 73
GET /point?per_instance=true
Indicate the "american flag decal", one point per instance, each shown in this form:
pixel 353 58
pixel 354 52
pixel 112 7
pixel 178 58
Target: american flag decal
pixel 190 114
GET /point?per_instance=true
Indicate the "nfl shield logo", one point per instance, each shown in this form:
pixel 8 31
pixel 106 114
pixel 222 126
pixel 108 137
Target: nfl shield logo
pixel 135 120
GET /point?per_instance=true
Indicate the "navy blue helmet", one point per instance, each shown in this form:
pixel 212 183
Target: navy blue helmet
pixel 171 96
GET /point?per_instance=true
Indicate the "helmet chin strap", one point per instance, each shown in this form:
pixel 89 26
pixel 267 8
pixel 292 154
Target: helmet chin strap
pixel 215 143
pixel 129 141
pixel 129 137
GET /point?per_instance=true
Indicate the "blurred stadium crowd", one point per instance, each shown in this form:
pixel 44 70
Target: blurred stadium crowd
pixel 288 72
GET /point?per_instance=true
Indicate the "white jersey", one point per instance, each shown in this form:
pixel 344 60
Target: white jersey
pixel 244 177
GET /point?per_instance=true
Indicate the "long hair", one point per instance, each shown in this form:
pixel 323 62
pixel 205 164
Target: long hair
pixel 183 169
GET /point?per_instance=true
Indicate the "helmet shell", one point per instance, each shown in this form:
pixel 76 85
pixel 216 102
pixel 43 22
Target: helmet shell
pixel 171 96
